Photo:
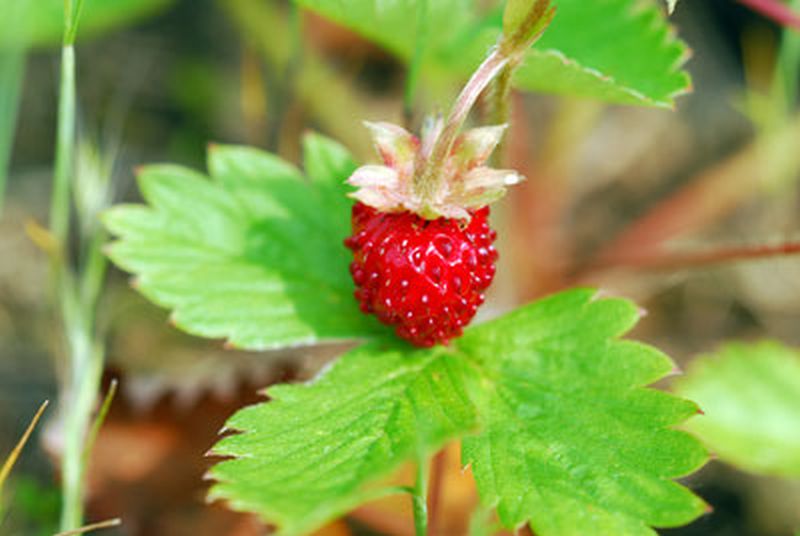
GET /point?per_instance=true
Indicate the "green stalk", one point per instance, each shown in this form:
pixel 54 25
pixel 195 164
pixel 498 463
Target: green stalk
pixel 65 149
pixel 86 364
pixel 419 497
pixel 504 58
pixel 77 294
pixel 501 108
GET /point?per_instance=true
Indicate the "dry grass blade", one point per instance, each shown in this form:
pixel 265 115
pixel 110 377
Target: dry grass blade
pixel 116 522
pixel 12 458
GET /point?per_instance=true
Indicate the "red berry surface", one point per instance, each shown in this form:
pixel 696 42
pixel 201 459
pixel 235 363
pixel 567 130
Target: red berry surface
pixel 424 277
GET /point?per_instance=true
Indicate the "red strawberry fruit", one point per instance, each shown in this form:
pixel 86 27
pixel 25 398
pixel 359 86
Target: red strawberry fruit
pixel 424 277
pixel 422 246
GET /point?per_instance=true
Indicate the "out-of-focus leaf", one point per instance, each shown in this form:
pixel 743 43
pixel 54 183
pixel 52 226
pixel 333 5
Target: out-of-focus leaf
pixel 750 394
pixel 620 51
pixel 41 22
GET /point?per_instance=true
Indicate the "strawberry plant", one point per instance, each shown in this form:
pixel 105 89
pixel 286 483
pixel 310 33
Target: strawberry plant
pixel 378 239
pixel 552 407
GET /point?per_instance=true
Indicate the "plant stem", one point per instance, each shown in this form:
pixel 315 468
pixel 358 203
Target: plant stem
pixel 697 259
pixel 76 294
pixel 426 183
pixel 437 475
pixel 508 53
pixel 77 420
pixel 65 149
pixel 420 497
pixel 501 107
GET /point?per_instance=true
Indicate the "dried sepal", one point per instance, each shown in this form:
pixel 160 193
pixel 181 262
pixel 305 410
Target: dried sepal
pixel 466 183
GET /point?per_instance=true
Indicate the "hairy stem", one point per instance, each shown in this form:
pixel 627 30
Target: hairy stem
pixel 501 107
pixel 426 183
pixel 438 470
pixel 508 53
pixel 420 497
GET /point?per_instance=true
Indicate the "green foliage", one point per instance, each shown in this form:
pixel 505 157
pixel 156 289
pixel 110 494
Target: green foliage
pixel 41 22
pixel 558 427
pixel 253 254
pixel 559 430
pixel 750 394
pixel 316 450
pixel 570 440
pixel 620 51
pixel 33 508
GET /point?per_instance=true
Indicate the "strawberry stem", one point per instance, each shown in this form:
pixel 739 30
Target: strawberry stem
pixel 426 183
pixel 505 57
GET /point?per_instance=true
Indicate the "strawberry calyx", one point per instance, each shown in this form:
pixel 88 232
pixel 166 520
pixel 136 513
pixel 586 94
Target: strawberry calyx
pixel 463 182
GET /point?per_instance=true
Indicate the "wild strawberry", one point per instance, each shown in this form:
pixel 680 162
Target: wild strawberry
pixel 422 245
pixel 425 277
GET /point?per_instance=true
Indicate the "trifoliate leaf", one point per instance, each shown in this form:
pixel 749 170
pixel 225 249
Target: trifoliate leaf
pixel 620 51
pixel 559 428
pixel 318 450
pixel 254 254
pixel 571 441
pixel 750 394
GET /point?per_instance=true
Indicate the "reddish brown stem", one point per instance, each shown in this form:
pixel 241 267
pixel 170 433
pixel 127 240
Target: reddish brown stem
pixel 696 259
pixel 774 10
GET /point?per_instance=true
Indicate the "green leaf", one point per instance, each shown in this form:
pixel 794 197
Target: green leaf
pixel 571 441
pixel 559 429
pixel 620 51
pixel 43 21
pixel 318 450
pixel 750 394
pixel 254 254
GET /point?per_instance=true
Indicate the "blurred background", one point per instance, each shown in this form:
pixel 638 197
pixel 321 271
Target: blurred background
pixel 608 187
